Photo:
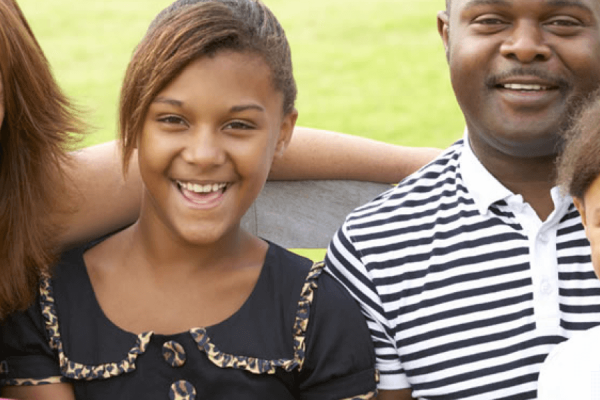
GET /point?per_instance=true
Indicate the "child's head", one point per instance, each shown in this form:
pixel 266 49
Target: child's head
pixel 208 101
pixel 579 173
pixel 191 29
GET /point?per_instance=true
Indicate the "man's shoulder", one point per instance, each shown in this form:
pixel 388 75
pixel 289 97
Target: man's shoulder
pixel 434 184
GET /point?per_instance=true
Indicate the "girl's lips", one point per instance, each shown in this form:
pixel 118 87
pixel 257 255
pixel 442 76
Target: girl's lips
pixel 200 199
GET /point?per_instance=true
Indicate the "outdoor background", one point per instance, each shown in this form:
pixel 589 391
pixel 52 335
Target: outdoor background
pixel 374 68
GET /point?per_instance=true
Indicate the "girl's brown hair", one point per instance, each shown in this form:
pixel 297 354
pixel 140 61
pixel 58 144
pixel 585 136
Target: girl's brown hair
pixel 34 133
pixel 579 163
pixel 188 30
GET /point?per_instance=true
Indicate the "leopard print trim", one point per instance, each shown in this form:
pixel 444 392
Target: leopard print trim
pixel 260 366
pixel 74 370
pixel 307 296
pixel 34 382
pixel 251 364
pixel 368 396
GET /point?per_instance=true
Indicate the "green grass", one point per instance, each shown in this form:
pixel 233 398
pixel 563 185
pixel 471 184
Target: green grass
pixel 373 68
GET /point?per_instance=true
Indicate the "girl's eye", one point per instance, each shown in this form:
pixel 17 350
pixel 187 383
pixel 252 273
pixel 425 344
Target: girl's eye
pixel 172 120
pixel 238 125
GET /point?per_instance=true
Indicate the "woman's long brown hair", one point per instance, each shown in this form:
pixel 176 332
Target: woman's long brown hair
pixel 35 132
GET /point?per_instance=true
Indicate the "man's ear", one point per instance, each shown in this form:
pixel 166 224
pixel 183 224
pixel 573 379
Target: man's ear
pixel 285 132
pixel 579 204
pixel 443 24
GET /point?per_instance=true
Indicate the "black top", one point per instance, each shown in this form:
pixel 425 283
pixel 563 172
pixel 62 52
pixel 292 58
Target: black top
pixel 298 336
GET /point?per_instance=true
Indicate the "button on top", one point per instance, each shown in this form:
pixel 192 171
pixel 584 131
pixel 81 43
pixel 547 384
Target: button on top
pixel 546 287
pixel 174 354
pixel 182 390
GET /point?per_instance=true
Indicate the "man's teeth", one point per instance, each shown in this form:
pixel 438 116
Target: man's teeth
pixel 520 86
pixel 194 187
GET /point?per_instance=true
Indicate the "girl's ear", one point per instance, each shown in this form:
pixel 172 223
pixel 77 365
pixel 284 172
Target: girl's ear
pixel 285 132
pixel 579 204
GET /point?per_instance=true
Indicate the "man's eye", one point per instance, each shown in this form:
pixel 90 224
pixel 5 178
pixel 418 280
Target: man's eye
pixel 564 22
pixel 489 21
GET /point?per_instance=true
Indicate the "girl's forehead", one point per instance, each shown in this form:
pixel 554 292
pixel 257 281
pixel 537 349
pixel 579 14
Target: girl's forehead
pixel 242 76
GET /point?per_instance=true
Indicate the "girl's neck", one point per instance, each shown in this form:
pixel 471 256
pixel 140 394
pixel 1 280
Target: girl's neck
pixel 161 252
pixel 169 276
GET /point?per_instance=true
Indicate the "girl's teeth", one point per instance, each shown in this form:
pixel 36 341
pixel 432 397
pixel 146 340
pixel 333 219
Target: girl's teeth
pixel 194 187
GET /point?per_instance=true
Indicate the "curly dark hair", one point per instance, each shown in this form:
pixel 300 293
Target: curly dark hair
pixel 579 163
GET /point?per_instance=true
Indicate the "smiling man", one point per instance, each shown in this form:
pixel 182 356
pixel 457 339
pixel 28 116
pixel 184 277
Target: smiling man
pixel 474 268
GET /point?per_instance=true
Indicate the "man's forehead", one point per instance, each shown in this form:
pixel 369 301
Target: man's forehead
pixel 557 3
pixel 454 8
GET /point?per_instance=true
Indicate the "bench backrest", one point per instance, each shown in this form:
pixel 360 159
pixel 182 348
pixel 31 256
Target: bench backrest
pixel 306 214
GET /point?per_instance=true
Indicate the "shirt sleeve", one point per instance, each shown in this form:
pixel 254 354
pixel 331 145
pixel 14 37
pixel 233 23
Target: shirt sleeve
pixel 27 358
pixel 344 262
pixel 340 360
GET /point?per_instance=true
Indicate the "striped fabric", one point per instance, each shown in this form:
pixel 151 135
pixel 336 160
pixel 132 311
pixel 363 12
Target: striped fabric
pixel 465 290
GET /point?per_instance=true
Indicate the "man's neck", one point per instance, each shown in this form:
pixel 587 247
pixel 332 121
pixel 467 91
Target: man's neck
pixel 532 178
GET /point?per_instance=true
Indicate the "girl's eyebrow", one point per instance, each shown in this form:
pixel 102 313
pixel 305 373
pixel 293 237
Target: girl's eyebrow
pixel 234 109
pixel 245 107
pixel 167 100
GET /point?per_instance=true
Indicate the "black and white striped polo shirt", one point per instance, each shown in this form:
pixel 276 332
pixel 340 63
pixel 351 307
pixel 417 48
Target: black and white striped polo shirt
pixel 465 290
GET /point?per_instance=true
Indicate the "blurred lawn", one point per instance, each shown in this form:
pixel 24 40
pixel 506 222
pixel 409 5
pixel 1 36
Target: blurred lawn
pixel 374 68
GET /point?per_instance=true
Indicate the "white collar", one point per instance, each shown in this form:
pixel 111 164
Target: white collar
pixel 487 190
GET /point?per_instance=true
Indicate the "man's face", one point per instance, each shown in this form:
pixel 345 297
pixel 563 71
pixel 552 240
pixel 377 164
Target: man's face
pixel 519 68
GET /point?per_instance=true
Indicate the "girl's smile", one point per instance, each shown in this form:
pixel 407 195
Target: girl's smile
pixel 202 196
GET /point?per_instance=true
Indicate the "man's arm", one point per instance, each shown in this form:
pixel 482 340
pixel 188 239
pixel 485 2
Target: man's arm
pixel 318 154
pixel 101 200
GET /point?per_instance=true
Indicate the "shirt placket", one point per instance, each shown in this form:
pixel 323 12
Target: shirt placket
pixel 544 267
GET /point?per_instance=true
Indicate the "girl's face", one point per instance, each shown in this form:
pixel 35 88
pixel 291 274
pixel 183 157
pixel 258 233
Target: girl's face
pixel 589 208
pixel 207 145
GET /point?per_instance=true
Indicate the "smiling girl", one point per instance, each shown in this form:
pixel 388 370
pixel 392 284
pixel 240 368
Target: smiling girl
pixel 184 303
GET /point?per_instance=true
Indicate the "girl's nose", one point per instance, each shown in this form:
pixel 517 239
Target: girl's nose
pixel 203 148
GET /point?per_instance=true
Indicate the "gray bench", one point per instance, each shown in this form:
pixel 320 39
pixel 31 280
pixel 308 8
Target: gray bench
pixel 306 214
